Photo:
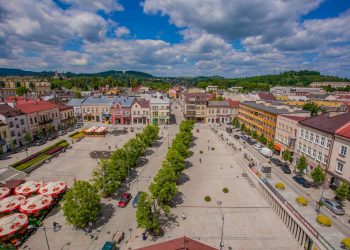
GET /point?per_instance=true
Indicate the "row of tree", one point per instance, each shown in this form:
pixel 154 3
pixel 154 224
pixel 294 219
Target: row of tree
pixel 164 186
pixel 82 202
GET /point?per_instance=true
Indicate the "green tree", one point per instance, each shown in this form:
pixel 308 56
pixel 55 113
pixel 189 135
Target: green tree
pixel 243 127
pixel 146 213
pixel 287 155
pixel 81 204
pixel 41 133
pixel 318 175
pixel 312 107
pixel 235 122
pixel 255 134
pixel 21 91
pixel 27 138
pixel 270 145
pixel 175 160
pixel 106 178
pixel 262 138
pixel 302 164
pixel 77 94
pixel 342 192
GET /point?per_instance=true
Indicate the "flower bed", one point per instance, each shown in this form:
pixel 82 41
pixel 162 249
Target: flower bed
pixel 32 162
pixel 77 135
pixel 324 220
pixel 280 186
pixel 54 150
pixel 302 201
pixel 346 243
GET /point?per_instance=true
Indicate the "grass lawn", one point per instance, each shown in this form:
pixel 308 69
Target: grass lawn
pixel 32 162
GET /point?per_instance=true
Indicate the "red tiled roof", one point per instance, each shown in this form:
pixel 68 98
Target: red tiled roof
pixel 32 106
pixel 266 96
pixel 295 118
pixel 233 103
pixel 344 131
pixel 8 111
pixel 182 243
pixel 142 102
pixel 327 122
pixel 62 106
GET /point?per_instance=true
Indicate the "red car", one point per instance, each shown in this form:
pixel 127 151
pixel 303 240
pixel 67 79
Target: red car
pixel 124 200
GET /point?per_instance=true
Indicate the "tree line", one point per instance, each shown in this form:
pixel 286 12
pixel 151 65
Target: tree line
pixel 81 203
pixel 164 186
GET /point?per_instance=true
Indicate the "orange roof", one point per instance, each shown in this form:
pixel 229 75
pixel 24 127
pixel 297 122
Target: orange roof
pixel 182 243
pixel 344 131
pixel 31 106
pixel 232 103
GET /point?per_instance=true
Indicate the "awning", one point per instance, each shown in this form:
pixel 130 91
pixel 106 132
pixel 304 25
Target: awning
pixel 277 147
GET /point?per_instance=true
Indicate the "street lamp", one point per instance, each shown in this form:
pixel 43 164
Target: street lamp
pixel 222 227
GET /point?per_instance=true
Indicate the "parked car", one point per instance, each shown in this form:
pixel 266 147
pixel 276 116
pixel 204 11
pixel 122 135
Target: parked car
pixel 285 168
pixel 266 152
pixel 124 200
pixel 52 137
pixel 62 132
pixel 39 142
pixel 250 141
pixel 334 206
pixel 109 245
pixel 70 129
pixel 236 136
pixel 244 137
pixel 276 161
pixel 136 200
pixel 302 181
pixel 78 125
pixel 257 146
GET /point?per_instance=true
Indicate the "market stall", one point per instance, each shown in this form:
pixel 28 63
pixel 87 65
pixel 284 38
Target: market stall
pixel 28 187
pixel 11 224
pixel 53 188
pixel 35 204
pixel 90 130
pixel 101 130
pixel 11 203
pixel 4 192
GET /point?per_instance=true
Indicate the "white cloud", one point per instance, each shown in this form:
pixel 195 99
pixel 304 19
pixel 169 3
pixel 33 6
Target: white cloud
pixel 95 5
pixel 122 31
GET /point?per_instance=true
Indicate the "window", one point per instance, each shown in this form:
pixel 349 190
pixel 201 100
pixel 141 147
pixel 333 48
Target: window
pixel 11 124
pixel 12 133
pixel 306 135
pixel 339 167
pixel 343 150
pixel 325 159
pixel 311 137
pixel 322 141
pixel 317 138
pixel 22 121
pixel 302 133
pixel 314 153
pixel 31 121
pixel 299 146
pixel 35 120
pixel 308 150
pixel 319 157
pixel 328 145
pixel 304 148
pixel 4 135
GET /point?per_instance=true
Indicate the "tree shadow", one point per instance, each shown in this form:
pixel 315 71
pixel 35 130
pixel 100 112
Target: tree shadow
pixel 178 199
pixel 192 144
pixel 141 162
pixel 188 164
pixel 183 179
pixel 54 210
pixel 194 138
pixel 148 152
pixel 107 212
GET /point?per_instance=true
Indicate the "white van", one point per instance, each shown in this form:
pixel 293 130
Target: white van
pixel 266 152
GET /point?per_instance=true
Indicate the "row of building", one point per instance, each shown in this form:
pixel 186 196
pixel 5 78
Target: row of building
pixel 324 139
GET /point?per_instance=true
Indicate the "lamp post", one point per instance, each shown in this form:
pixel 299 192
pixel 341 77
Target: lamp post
pixel 222 227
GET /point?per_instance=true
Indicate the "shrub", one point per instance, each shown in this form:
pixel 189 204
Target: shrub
pixel 346 243
pixel 302 201
pixel 73 134
pixel 225 190
pixel 280 186
pixel 32 162
pixel 324 220
pixel 207 198
pixel 201 152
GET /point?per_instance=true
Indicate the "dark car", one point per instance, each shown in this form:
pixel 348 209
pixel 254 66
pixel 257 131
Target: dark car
pixel 52 137
pixel 109 245
pixel 302 181
pixel 334 206
pixel 124 200
pixel 70 129
pixel 236 136
pixel 136 200
pixel 39 142
pixel 285 168
pixel 276 161
pixel 250 141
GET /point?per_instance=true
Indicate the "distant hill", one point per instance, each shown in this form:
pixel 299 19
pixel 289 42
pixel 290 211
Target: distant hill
pixel 113 73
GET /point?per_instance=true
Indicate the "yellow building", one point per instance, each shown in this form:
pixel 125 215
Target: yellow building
pixel 5 144
pixel 322 103
pixel 261 116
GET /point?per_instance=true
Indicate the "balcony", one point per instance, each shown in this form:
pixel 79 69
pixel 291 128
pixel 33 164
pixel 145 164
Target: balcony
pixel 45 121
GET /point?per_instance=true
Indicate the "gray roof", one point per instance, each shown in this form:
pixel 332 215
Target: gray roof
pixel 99 100
pixel 218 104
pixel 125 101
pixel 75 102
pixel 273 108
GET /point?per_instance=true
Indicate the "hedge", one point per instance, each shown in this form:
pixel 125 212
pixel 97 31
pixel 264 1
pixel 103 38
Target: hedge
pixel 32 162
pixel 280 186
pixel 324 220
pixel 77 135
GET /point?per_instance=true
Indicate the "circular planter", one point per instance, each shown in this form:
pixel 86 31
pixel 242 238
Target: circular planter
pixel 280 186
pixel 324 220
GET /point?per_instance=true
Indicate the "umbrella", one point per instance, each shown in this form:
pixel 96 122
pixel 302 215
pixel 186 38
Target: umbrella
pixel 12 223
pixel 11 203
pixel 28 187
pixel 36 203
pixel 53 188
pixel 4 191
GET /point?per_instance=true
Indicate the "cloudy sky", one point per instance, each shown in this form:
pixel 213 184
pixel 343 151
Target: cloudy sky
pixel 230 38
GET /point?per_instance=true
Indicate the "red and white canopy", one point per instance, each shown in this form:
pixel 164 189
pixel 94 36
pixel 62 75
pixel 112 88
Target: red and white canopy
pixel 53 188
pixel 12 223
pixel 101 129
pixel 4 191
pixel 90 130
pixel 11 203
pixel 28 187
pixel 35 203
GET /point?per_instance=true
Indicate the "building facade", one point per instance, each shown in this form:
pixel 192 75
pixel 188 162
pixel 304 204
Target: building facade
pixel 218 112
pixel 76 104
pixel 17 124
pixel 194 106
pixel 140 111
pixel 66 115
pixel 97 108
pixel 160 110
pixel 121 110
pixel 5 141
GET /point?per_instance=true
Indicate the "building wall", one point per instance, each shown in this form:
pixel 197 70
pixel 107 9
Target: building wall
pixel 339 165
pixel 221 115
pixel 17 128
pixel 286 133
pixel 314 145
pixel 43 120
pixel 140 115
pixel 160 113
pixel 67 117
pixel 5 138
pixel 96 113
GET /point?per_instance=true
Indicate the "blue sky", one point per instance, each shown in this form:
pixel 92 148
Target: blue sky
pixel 177 37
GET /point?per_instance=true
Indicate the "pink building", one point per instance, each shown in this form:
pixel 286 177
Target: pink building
pixel 121 110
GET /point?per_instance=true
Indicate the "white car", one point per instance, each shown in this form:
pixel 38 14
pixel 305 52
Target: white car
pixel 257 146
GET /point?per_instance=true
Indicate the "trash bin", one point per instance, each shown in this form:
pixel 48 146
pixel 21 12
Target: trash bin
pixel 144 237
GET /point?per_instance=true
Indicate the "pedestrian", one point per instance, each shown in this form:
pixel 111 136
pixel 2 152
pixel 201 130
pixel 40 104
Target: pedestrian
pixel 200 160
pixel 54 226
pixel 183 216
